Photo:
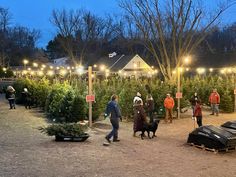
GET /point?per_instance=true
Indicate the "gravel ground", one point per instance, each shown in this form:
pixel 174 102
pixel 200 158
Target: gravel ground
pixel 25 152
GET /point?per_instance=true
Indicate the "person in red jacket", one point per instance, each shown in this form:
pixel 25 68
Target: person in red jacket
pixel 169 105
pixel 198 113
pixel 214 100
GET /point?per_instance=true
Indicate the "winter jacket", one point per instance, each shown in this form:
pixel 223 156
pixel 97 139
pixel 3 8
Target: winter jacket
pixel 169 103
pixel 10 95
pixel 139 118
pixel 26 96
pixel 197 110
pixel 214 98
pixel 113 110
pixel 150 105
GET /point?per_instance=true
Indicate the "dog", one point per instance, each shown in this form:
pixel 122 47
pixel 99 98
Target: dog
pixel 150 127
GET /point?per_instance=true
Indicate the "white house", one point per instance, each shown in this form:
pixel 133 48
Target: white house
pixel 60 62
pixel 128 65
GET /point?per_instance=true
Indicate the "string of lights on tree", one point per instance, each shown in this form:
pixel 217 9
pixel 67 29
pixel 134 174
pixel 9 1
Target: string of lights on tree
pixel 41 70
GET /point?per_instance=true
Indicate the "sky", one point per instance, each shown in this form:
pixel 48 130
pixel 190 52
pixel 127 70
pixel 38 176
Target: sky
pixel 36 13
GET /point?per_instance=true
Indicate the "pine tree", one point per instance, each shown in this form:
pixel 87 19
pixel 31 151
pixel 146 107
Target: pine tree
pixel 227 103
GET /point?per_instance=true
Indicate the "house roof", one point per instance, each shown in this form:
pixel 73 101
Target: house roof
pixel 116 63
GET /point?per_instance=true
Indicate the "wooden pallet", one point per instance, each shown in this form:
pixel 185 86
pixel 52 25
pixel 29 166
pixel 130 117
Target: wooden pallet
pixel 212 149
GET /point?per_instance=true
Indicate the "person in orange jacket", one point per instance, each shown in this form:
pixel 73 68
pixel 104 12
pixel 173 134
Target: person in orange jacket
pixel 169 105
pixel 214 100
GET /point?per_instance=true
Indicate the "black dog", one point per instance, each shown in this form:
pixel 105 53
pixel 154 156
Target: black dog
pixel 150 127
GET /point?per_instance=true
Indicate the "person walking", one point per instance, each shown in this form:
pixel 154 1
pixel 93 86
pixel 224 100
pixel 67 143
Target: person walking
pixel 150 107
pixel 27 98
pixel 214 100
pixel 198 113
pixel 193 101
pixel 169 105
pixel 114 112
pixel 139 117
pixel 10 96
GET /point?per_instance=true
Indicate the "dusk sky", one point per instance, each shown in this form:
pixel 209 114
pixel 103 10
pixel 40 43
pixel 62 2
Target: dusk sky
pixel 36 13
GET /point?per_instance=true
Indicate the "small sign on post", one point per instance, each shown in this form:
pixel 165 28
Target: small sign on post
pixel 179 95
pixel 90 98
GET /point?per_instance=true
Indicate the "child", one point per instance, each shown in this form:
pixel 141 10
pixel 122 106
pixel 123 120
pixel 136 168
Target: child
pixel 198 113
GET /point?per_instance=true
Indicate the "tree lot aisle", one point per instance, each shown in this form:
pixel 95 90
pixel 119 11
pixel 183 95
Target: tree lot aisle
pixel 27 152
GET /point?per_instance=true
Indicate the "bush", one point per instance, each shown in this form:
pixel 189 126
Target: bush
pixel 78 110
pixel 8 73
pixel 103 92
pixel 226 103
pixel 65 129
pixel 55 100
pixel 43 90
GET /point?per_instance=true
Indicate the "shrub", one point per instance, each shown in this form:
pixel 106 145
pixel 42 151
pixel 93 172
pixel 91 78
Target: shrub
pixel 8 73
pixel 227 104
pixel 66 105
pixel 78 109
pixel 103 92
pixel 43 90
pixel 55 101
pixel 66 129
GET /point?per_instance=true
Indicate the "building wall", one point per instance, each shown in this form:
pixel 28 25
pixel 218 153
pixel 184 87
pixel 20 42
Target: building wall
pixel 137 67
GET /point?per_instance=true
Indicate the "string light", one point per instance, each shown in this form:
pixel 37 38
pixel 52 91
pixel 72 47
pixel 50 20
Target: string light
pixel 201 70
pixel 186 60
pixel 63 72
pixel 35 65
pixel 40 73
pixel 102 67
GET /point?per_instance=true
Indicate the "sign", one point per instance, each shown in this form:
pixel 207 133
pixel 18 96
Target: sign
pixel 112 54
pixel 235 91
pixel 179 95
pixel 90 98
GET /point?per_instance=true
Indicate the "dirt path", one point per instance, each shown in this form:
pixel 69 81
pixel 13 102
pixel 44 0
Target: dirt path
pixel 27 152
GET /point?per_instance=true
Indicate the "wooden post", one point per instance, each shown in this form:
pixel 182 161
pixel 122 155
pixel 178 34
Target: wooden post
pixel 234 93
pixel 90 88
pixel 178 91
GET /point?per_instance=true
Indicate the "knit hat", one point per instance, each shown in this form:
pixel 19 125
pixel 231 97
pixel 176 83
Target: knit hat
pixel 139 94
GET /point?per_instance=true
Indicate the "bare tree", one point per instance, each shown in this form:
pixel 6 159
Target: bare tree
pixel 67 24
pixel 172 29
pixel 81 31
pixel 5 18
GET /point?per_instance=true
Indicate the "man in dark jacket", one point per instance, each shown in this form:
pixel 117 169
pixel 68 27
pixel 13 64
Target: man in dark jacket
pixel 114 111
pixel 150 107
pixel 27 98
